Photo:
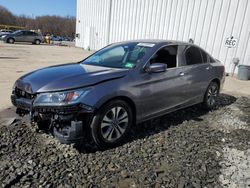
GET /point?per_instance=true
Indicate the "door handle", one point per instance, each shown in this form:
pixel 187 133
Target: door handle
pixel 182 73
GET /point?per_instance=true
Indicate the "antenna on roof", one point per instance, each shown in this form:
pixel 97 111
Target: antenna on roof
pixel 191 41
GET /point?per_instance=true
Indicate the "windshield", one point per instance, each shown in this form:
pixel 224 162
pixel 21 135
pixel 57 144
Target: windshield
pixel 119 56
pixel 15 32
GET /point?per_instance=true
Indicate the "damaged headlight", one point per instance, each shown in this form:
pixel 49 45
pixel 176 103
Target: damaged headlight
pixel 59 98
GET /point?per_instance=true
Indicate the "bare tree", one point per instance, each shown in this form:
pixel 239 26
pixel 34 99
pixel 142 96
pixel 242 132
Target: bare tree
pixel 6 17
pixel 56 25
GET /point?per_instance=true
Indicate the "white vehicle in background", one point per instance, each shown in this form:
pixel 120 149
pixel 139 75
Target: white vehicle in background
pixel 5 32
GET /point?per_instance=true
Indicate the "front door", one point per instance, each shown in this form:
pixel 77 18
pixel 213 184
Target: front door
pixel 20 36
pixel 166 90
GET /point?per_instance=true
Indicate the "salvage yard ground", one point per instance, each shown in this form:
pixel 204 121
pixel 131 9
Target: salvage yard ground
pixel 187 148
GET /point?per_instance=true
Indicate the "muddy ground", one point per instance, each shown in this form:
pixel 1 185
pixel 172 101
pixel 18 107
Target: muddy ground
pixel 187 148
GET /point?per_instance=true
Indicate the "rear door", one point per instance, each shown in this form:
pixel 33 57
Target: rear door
pixel 199 70
pixel 30 36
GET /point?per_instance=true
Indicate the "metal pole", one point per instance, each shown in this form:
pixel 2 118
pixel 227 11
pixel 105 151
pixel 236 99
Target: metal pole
pixel 109 22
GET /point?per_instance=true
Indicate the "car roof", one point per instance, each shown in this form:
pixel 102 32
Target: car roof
pixel 25 30
pixel 162 42
pixel 157 41
pixel 5 30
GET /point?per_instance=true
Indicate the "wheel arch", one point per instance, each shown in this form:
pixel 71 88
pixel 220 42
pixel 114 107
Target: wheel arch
pixel 7 40
pixel 217 81
pixel 36 40
pixel 126 99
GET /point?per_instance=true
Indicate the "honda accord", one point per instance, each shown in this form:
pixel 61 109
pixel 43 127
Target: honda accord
pixel 121 85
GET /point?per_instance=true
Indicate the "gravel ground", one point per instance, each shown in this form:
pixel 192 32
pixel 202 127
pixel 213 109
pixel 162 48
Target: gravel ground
pixel 188 148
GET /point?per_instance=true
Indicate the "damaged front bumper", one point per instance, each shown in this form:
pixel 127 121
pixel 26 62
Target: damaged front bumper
pixel 67 123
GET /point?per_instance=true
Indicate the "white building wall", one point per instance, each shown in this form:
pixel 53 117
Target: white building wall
pixel 207 22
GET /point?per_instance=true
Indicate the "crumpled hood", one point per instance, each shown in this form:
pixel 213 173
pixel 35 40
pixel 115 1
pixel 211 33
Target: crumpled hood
pixel 65 77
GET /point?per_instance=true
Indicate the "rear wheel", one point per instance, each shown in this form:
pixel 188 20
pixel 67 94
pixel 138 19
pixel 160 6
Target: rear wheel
pixel 11 40
pixel 111 124
pixel 37 42
pixel 211 95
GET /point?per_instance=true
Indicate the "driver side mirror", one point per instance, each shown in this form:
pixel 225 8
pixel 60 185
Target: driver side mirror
pixel 156 68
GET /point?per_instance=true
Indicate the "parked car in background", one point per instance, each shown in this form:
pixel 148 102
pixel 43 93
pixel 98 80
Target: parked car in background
pixel 120 85
pixel 5 32
pixel 66 39
pixel 57 38
pixel 23 36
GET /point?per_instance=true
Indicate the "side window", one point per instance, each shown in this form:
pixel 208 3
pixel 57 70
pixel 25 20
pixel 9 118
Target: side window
pixel 25 33
pixel 204 56
pixel 29 33
pixel 20 33
pixel 166 55
pixel 192 55
pixel 34 34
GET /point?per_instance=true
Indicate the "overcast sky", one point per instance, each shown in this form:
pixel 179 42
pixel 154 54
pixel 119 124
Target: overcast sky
pixel 34 8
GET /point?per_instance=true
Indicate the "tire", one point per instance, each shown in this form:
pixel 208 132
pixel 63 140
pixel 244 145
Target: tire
pixel 106 130
pixel 10 40
pixel 211 96
pixel 37 42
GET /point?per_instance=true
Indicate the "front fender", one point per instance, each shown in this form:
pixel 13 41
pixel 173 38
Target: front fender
pixel 120 94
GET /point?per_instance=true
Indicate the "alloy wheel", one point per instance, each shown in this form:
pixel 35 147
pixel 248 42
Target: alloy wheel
pixel 11 41
pixel 114 124
pixel 212 95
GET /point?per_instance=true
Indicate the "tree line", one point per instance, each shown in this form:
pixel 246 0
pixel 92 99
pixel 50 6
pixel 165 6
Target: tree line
pixel 54 25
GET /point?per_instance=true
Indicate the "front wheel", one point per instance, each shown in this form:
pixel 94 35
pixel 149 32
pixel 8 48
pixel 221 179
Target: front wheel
pixel 11 40
pixel 111 124
pixel 211 96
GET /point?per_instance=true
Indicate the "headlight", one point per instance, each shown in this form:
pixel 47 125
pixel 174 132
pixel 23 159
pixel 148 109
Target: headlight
pixel 59 98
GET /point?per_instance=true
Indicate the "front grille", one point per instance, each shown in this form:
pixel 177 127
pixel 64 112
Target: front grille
pixel 23 94
pixel 58 109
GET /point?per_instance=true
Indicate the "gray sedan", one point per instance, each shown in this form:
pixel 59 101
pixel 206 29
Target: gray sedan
pixel 23 36
pixel 120 85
